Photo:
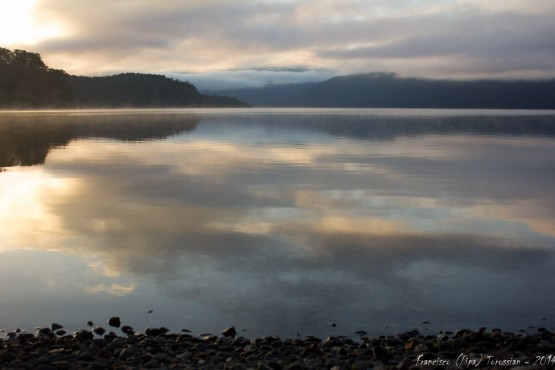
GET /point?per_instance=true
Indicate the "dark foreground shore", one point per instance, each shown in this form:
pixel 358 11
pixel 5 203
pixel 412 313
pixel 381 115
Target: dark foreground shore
pixel 157 348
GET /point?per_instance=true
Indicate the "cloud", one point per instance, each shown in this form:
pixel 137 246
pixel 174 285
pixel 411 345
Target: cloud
pixel 478 43
pixel 431 39
pixel 113 289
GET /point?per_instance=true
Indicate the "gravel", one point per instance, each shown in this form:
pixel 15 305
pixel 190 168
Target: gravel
pixel 158 348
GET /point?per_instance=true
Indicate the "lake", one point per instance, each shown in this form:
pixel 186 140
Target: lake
pixel 278 221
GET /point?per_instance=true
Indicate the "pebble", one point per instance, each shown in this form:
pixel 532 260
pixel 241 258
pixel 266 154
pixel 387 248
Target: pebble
pixel 229 332
pixel 114 322
pixel 99 330
pixel 126 329
pixel 161 349
pixel 55 326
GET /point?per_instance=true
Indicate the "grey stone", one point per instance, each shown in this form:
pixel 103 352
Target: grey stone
pixel 86 355
pixel 152 364
pixel 405 363
pixel 54 326
pixel 362 365
pixel 126 329
pixel 229 332
pixel 114 322
pixel 421 348
pixel 82 335
pixel 263 366
pixel 99 330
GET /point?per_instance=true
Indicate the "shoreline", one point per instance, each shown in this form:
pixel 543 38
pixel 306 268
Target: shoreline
pixel 158 348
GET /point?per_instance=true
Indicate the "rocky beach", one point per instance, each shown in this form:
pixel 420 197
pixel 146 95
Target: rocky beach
pixel 50 348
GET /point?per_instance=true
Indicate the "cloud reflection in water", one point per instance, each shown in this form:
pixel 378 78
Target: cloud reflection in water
pixel 285 228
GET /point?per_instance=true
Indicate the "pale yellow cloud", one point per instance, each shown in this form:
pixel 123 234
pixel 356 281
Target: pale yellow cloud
pixel 19 26
pixel 25 216
pixel 112 289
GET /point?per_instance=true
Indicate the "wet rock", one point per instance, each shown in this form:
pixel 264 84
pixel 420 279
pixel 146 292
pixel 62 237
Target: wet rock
pixel 334 362
pixel 86 355
pixel 83 335
pixel 421 348
pixel 462 333
pixel 99 330
pixel 54 326
pixel 154 332
pixel 229 332
pixel 163 350
pixel 128 330
pixel 114 322
pixel 24 337
pixel 409 334
pixel 405 363
pixel 263 366
pixel 125 354
pixel 379 353
pixel 362 365
pixel 6 356
pixel 45 367
pixel 152 364
pixel 45 331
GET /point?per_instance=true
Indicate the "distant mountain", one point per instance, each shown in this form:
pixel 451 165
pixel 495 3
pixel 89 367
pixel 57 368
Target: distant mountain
pixel 267 96
pixel 386 90
pixel 26 82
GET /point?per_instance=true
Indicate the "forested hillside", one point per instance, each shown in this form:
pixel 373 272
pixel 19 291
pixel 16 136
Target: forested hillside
pixel 386 90
pixel 141 90
pixel 26 82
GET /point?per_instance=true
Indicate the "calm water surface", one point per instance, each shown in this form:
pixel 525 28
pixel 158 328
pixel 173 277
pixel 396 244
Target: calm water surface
pixel 278 221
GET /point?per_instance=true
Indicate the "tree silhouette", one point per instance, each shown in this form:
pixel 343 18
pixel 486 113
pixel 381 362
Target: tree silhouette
pixel 25 81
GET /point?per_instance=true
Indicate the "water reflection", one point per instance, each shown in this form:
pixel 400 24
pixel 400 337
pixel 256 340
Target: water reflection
pixel 285 223
pixel 26 138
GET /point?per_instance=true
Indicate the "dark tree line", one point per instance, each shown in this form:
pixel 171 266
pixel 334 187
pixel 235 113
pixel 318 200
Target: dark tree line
pixel 141 90
pixel 26 82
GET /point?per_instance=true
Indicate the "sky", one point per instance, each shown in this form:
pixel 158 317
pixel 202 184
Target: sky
pixel 230 43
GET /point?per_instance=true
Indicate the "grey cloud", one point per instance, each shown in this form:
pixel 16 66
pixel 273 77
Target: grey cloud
pixel 178 35
pixel 504 45
pixel 502 35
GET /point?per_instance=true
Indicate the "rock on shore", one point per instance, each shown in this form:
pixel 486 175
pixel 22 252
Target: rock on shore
pixel 157 348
